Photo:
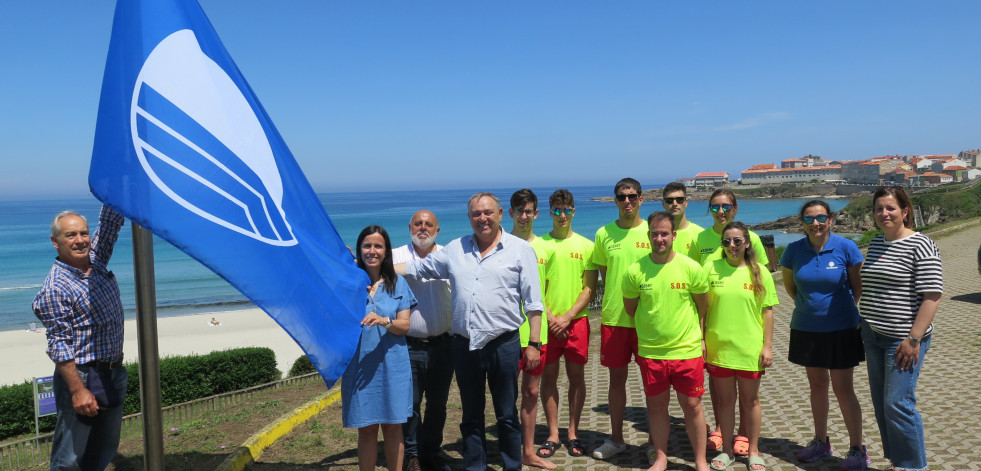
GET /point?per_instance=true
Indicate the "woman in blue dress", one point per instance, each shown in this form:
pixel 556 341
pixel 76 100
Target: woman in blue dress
pixel 373 388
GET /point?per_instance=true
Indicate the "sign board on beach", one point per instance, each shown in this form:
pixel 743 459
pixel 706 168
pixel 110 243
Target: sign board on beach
pixel 44 396
pixel 44 400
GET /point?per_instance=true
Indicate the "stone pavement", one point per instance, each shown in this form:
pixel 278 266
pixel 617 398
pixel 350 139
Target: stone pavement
pixel 949 390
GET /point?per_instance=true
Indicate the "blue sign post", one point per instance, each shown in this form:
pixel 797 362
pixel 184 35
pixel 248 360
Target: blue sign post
pixel 44 400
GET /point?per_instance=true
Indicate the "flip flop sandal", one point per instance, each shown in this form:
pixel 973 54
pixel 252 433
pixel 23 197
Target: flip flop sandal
pixel 740 446
pixel 756 461
pixel 723 458
pixel 576 448
pixel 714 442
pixel 547 449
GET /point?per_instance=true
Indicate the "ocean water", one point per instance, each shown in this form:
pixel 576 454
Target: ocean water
pixel 184 286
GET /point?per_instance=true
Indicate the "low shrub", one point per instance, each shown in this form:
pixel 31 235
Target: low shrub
pixel 182 378
pixel 17 410
pixel 302 366
pixel 867 237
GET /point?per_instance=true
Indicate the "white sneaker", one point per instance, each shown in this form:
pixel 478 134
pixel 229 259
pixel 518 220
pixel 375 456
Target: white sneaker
pixel 608 449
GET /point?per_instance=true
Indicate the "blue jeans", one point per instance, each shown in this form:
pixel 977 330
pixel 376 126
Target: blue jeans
pixel 432 373
pixel 77 446
pixel 894 400
pixel 495 365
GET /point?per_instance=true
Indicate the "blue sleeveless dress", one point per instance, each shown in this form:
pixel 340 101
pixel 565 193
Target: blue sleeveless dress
pixel 376 387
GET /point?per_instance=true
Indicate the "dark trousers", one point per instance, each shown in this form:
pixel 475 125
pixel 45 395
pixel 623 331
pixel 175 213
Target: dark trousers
pixel 432 373
pixel 495 366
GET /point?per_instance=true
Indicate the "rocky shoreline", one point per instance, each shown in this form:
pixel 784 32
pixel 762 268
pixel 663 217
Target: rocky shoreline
pixel 793 225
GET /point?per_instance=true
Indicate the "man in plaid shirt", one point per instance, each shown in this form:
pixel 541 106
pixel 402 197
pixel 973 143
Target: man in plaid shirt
pixel 80 307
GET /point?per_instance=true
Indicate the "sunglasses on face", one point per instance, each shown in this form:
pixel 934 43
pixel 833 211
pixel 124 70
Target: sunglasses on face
pixel 675 200
pixel 566 211
pixel 623 198
pixel 724 207
pixel 821 218
pixel 735 242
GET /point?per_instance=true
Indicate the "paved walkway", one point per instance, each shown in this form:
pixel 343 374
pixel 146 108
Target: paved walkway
pixel 949 390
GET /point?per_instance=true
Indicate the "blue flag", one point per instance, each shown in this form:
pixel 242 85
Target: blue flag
pixel 183 147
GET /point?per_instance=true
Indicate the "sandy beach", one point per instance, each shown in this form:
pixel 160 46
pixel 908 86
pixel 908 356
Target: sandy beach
pixel 22 352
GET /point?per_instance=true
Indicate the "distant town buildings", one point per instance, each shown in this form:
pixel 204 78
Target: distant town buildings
pixel 915 170
pixel 711 179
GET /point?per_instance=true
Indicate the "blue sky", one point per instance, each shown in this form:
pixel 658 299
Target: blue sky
pixel 466 94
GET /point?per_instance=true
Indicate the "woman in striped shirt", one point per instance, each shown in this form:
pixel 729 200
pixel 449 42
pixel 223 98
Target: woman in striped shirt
pixel 902 281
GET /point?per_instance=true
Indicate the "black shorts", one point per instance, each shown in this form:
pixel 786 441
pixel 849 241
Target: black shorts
pixel 837 350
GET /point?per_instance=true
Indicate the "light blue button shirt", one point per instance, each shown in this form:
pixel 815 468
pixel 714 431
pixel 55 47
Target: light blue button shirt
pixel 487 292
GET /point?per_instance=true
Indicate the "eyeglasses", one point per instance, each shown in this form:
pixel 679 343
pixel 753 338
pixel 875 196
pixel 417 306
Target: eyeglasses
pixel 566 211
pixel 675 200
pixel 523 212
pixel 632 197
pixel 821 218
pixel 724 207
pixel 735 242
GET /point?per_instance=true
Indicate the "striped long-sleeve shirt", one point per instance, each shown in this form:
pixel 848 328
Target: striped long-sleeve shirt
pixel 82 312
pixel 895 276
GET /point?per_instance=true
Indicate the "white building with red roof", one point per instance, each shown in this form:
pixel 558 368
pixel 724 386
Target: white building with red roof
pixel 711 179
pixel 776 176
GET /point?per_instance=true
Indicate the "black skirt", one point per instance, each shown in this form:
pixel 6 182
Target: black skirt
pixel 837 350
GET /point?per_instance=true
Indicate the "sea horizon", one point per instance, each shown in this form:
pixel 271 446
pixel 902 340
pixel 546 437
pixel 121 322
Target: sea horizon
pixel 184 286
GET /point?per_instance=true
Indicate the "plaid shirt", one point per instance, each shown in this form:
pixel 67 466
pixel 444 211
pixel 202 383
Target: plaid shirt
pixel 82 312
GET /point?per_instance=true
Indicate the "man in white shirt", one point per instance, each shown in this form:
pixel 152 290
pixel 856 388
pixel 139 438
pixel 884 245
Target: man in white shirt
pixel 429 349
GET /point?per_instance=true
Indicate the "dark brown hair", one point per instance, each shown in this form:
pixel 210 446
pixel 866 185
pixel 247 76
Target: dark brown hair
pixel 387 267
pixel 827 209
pixel 901 198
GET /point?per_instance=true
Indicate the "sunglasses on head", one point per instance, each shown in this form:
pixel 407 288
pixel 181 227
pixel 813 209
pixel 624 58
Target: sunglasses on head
pixel 632 197
pixel 676 199
pixel 566 211
pixel 724 207
pixel 821 218
pixel 735 242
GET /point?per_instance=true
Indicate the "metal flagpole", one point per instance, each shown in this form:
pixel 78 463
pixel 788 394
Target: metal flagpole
pixel 146 330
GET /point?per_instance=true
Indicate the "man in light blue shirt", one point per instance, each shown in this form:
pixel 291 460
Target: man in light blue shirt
pixel 492 274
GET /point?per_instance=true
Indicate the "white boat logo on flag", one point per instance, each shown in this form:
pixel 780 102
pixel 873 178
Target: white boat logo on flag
pixel 200 141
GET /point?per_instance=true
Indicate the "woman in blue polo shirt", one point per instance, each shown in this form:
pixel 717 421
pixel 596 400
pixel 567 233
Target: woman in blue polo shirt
pixel 822 273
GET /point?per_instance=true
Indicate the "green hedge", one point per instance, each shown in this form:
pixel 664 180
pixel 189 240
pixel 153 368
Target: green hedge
pixel 302 366
pixel 17 411
pixel 182 379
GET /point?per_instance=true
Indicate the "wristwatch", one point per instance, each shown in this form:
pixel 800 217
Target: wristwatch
pixel 389 322
pixel 913 340
pixel 537 345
